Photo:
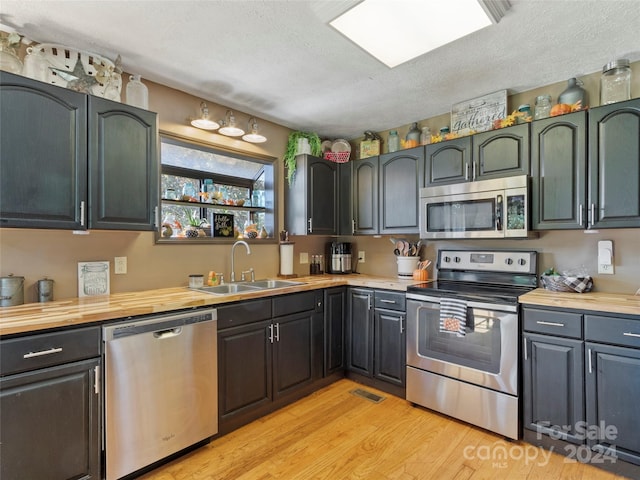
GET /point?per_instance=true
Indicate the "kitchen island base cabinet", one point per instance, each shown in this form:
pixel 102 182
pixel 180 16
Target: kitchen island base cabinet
pixel 270 353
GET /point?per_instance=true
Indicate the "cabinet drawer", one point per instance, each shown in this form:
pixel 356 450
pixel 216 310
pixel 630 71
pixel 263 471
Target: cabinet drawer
pixel 242 313
pixel 44 350
pixel 390 300
pixel 619 331
pixel 562 324
pixel 294 303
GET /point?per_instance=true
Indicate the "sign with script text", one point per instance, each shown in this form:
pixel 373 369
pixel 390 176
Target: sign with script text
pixel 222 225
pixel 478 114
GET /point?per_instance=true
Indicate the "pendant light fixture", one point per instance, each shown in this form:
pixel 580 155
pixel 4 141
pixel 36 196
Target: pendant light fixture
pixel 229 126
pixel 254 135
pixel 204 122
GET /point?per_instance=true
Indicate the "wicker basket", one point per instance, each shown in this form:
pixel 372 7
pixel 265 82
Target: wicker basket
pixel 338 157
pixel 563 283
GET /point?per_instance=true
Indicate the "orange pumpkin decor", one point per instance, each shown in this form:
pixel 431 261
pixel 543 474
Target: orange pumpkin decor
pixel 421 275
pixel 560 109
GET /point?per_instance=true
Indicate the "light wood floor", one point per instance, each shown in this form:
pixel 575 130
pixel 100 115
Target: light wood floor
pixel 335 435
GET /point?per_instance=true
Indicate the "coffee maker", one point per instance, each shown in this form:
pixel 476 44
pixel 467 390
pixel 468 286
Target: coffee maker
pixel 339 255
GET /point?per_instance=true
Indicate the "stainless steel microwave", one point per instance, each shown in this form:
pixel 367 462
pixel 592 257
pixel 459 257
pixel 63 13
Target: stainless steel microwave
pixel 497 208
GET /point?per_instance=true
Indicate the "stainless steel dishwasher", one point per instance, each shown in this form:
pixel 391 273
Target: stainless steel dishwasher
pixel 161 388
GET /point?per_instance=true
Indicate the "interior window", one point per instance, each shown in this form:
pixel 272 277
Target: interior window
pixel 214 196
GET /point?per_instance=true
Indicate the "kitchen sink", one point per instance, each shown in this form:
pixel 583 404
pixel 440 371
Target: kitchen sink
pixel 265 284
pixel 229 288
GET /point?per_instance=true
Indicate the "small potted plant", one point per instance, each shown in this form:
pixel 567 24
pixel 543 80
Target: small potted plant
pixel 292 150
pixel 192 230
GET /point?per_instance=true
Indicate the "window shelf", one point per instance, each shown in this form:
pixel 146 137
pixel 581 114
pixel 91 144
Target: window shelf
pixel 214 205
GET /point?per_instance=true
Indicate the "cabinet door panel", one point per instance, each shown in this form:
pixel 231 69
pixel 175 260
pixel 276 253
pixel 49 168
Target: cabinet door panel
pixel 558 172
pixel 43 154
pixel 501 153
pixel 123 166
pixel 244 369
pixel 293 353
pixel 400 177
pixel 365 195
pixel 50 424
pixel 334 329
pixel 448 162
pixel 389 350
pixel 323 195
pixel 360 332
pixel 553 385
pixel 614 165
pixel 613 389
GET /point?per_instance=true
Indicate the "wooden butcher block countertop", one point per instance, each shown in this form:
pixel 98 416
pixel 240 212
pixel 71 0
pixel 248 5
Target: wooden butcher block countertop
pixel 87 310
pixel 596 301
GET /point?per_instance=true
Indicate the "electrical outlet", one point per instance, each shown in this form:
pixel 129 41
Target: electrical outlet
pixel 304 257
pixel 606 269
pixel 120 265
pixel 360 256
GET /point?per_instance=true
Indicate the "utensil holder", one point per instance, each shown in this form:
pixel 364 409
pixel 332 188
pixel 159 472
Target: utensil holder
pixel 406 266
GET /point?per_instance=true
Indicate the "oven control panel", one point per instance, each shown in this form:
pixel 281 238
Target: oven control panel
pixel 488 260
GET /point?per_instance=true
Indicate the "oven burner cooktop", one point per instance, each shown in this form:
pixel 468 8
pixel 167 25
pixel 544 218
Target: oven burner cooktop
pixel 470 291
pixel 482 275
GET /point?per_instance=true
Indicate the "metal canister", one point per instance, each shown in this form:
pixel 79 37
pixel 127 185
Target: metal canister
pixel 44 288
pixel 11 291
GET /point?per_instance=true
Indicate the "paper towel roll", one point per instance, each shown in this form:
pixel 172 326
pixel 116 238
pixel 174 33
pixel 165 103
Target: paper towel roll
pixel 286 258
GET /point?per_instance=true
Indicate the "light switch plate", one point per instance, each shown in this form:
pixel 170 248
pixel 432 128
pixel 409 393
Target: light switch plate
pixel 605 269
pixel 304 257
pixel 361 256
pixel 120 265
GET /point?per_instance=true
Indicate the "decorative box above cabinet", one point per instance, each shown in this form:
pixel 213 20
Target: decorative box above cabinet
pixel 74 161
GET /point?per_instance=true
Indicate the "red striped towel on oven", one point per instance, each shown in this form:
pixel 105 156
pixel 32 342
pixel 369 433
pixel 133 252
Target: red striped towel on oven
pixel 453 316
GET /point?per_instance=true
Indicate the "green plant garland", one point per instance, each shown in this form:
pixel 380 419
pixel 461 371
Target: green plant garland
pixel 292 146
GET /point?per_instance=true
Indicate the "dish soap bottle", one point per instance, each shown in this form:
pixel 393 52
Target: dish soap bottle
pixel 137 93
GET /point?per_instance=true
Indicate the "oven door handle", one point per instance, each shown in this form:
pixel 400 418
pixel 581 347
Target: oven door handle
pixel 499 212
pixel 435 304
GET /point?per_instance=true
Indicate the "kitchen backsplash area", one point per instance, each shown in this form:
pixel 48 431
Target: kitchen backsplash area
pixel 54 254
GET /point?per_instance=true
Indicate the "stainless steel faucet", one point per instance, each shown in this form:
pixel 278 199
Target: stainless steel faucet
pixel 233 249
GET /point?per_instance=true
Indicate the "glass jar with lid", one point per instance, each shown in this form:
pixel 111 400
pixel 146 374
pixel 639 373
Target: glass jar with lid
pixel 413 136
pixel 543 107
pixel 615 82
pixel 394 141
pixel 425 136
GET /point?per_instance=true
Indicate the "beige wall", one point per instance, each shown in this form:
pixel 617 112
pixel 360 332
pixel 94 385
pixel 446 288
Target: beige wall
pixel 35 254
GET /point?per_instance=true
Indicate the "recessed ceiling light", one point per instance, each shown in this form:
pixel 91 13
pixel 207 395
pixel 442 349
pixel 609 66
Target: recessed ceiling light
pixel 395 32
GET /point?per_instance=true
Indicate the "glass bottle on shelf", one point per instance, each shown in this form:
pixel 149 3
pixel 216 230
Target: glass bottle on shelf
pixel 394 141
pixel 413 136
pixel 425 136
pixel 137 93
pixel 543 107
pixel 615 82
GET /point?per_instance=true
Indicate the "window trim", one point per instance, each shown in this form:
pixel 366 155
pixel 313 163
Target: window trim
pixel 271 186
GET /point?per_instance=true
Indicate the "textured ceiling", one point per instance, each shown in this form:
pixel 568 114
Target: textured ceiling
pixel 281 61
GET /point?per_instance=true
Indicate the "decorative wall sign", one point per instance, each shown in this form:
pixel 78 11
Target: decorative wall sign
pixel 93 278
pixel 222 225
pixel 478 114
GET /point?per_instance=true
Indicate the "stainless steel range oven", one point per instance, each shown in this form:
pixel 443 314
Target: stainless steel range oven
pixel 463 337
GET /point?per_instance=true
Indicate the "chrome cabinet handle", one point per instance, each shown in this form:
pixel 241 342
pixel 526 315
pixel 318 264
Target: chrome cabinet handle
pixel 551 324
pixel 466 171
pixel 271 333
pixel 473 171
pixel 82 213
pixel 156 218
pixel 96 380
pixel 368 302
pixel 593 214
pixel 384 300
pixel 590 369
pixel 580 214
pixel 526 355
pixel 353 226
pixel 42 352
pixel 402 320
pixel 277 332
pixel 629 334
pixel 310 221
